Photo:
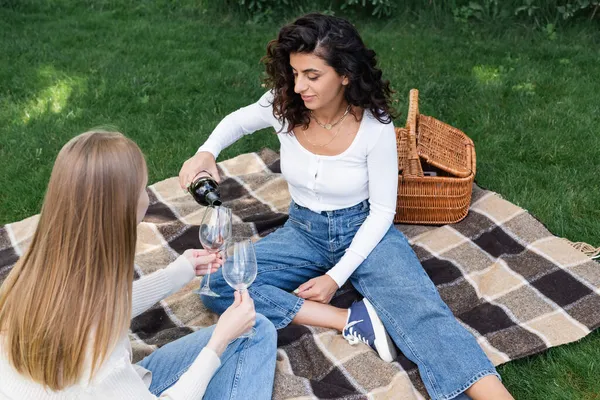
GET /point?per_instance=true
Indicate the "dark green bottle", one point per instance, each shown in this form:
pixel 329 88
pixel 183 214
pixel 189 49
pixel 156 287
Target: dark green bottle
pixel 205 190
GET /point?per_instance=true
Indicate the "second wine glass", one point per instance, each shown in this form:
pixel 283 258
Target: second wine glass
pixel 239 269
pixel 215 232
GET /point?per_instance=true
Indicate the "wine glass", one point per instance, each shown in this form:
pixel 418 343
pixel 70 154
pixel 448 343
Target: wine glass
pixel 215 231
pixel 239 269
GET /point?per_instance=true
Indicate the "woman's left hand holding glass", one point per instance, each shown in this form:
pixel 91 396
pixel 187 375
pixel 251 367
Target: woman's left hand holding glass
pixel 201 258
pixel 320 289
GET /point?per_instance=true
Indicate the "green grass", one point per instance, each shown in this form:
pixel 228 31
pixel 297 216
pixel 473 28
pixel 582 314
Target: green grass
pixel 531 105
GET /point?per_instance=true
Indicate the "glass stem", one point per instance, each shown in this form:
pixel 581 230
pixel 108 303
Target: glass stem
pixel 207 281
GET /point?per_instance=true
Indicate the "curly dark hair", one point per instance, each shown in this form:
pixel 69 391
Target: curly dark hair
pixel 339 44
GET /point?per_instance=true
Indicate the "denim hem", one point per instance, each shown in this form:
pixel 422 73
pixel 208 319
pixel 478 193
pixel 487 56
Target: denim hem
pixel 290 315
pixel 470 383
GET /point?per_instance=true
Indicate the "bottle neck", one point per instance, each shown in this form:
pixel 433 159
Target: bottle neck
pixel 213 199
pixel 205 191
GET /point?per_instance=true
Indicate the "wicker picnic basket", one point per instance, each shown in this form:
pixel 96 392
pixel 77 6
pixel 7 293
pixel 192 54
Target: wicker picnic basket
pixel 430 147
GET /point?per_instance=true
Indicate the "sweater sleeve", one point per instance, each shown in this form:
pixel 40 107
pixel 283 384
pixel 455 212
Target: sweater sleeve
pixel 382 167
pixel 150 289
pixel 154 287
pixel 244 121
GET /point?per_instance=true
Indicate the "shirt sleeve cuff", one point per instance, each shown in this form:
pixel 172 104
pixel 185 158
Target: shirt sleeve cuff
pixel 180 272
pixel 210 149
pixel 212 359
pixel 345 267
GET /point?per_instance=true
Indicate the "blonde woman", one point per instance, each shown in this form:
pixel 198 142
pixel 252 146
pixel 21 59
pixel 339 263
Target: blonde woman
pixel 66 305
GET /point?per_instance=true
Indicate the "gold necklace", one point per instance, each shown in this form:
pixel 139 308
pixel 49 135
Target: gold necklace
pixel 329 126
pixel 321 145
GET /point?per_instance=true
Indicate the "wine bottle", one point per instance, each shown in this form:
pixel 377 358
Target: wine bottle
pixel 205 190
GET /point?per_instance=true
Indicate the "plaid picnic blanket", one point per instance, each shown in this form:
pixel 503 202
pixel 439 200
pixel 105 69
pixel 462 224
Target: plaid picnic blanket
pixel 508 280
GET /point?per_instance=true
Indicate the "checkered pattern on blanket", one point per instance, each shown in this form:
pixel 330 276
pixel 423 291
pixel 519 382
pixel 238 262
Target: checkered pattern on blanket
pixel 515 286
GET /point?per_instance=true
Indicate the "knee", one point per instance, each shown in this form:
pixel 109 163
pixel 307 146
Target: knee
pixel 392 251
pixel 265 330
pixel 263 325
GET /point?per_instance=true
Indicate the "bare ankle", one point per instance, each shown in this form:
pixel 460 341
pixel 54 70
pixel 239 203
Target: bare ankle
pixel 489 388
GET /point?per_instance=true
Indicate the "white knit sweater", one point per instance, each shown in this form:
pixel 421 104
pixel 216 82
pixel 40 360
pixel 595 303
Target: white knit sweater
pixel 118 378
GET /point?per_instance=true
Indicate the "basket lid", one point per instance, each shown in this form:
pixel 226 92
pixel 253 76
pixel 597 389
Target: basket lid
pixel 445 147
pixel 440 144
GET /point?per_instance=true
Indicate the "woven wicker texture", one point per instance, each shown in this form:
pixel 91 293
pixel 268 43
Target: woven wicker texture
pixel 431 143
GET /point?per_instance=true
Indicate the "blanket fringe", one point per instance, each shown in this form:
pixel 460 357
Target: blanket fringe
pixel 586 249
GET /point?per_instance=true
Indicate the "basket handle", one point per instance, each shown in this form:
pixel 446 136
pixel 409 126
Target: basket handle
pixel 413 161
pixel 413 110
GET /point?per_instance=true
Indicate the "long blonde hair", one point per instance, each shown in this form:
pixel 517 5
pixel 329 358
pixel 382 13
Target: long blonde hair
pixel 71 291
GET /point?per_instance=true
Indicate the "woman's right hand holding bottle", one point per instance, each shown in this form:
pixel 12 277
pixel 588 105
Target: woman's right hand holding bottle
pixel 203 160
pixel 238 319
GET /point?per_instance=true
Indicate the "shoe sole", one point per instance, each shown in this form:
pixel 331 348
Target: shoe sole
pixel 383 343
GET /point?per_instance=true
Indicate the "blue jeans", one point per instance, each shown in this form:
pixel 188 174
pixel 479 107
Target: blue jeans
pixel 391 277
pixel 247 366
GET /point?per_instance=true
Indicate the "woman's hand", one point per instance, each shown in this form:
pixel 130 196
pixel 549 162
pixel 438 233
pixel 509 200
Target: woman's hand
pixel 202 260
pixel 200 161
pixel 238 319
pixel 320 289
